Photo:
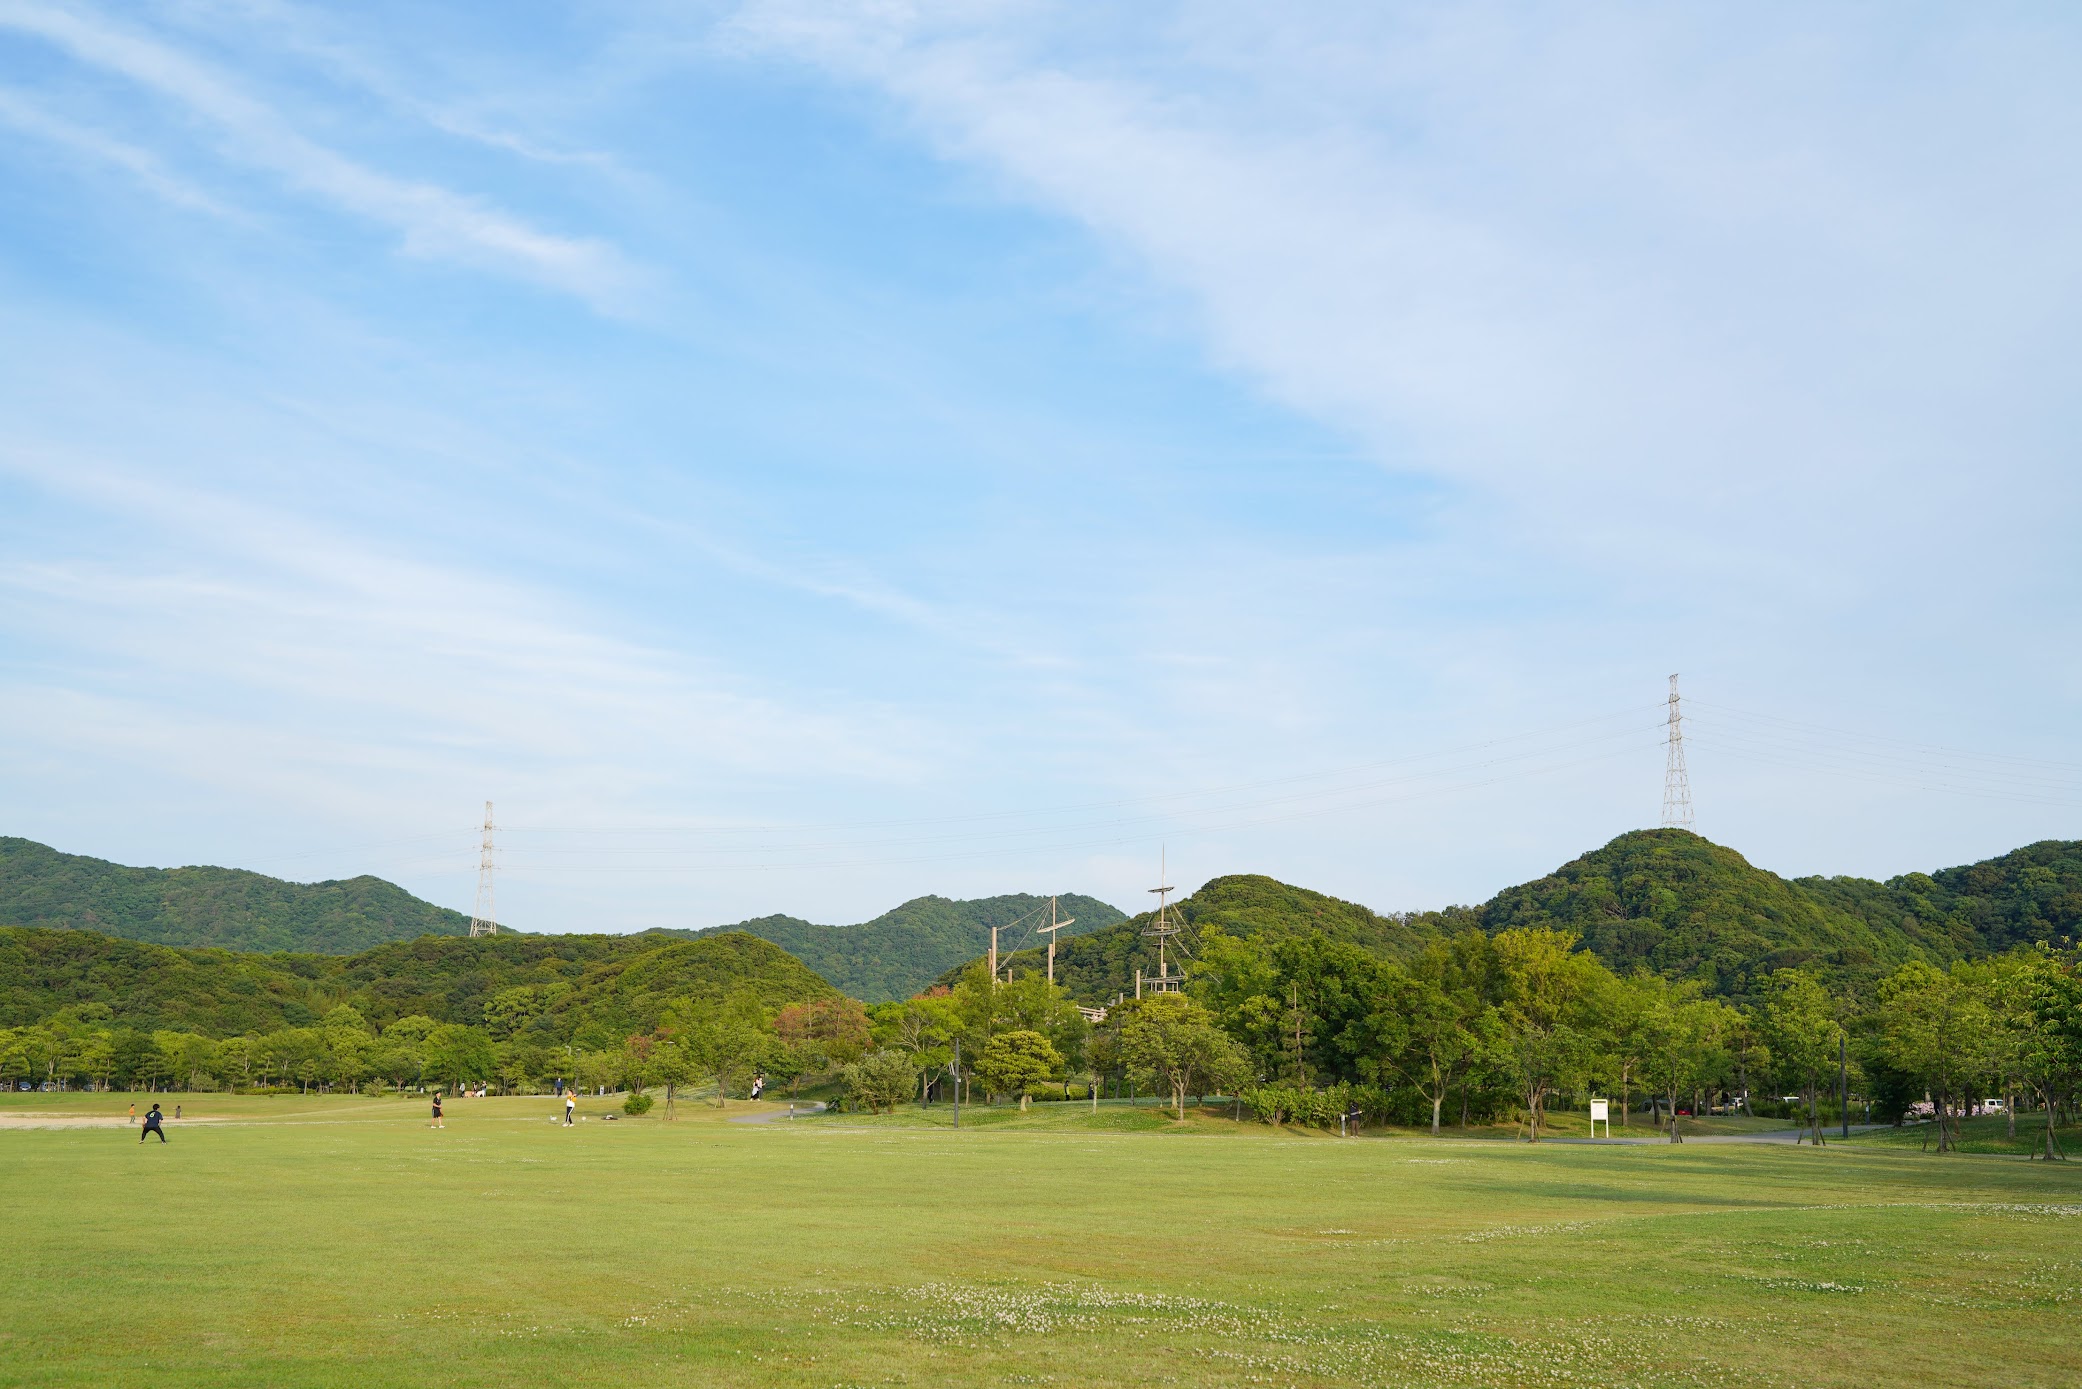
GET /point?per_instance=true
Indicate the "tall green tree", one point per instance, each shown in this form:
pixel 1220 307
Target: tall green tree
pixel 1429 1026
pixel 1684 1039
pixel 2002 985
pixel 1629 1011
pixel 1014 1061
pixel 1801 1027
pixel 1934 1026
pixel 882 1078
pixel 2050 1056
pixel 731 1041
pixel 1548 1037
pixel 457 1055
pixel 1175 1044
pixel 921 1028
pixel 672 1067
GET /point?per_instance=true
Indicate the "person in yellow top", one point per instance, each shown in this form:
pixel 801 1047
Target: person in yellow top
pixel 570 1103
pixel 133 1113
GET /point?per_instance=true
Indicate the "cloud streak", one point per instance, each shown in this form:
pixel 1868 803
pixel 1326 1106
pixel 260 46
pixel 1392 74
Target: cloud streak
pixel 26 115
pixel 434 222
pixel 491 678
pixel 1602 264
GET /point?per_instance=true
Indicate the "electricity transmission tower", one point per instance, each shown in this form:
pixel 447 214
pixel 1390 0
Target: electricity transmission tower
pixel 1052 927
pixel 1162 929
pixel 1677 786
pixel 482 923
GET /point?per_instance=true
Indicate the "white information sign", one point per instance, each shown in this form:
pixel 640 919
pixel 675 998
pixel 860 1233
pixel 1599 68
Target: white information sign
pixel 1600 1114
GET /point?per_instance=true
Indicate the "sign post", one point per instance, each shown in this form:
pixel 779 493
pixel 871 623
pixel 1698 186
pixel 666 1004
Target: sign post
pixel 1600 1113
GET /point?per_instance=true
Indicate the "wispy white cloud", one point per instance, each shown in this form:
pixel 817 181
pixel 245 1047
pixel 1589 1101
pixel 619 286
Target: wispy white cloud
pixel 485 677
pixel 434 221
pixel 23 113
pixel 1602 263
pixel 319 37
pixel 1687 327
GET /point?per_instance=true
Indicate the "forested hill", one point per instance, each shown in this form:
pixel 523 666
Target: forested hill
pixel 592 990
pixel 1665 900
pixel 1687 907
pixel 2029 894
pixel 1096 967
pixel 1683 906
pixel 902 951
pixel 227 908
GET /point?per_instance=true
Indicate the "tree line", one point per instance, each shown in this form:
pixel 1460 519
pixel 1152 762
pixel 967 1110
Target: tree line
pixel 1474 1029
pixel 1479 1028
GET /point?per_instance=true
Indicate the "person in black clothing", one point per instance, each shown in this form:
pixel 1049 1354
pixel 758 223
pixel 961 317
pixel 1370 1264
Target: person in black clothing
pixel 153 1118
pixel 437 1124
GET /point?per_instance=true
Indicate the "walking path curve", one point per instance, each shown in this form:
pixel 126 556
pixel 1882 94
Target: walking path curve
pixel 799 1107
pixel 1788 1136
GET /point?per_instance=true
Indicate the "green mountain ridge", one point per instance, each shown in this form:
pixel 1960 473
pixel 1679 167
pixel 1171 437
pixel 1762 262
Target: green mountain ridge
pixel 1684 906
pixel 594 989
pixel 892 956
pixel 1096 967
pixel 1665 900
pixel 903 950
pixel 224 908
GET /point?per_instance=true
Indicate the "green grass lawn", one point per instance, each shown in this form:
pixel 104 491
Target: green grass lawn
pixel 304 1241
pixel 1150 1115
pixel 1985 1135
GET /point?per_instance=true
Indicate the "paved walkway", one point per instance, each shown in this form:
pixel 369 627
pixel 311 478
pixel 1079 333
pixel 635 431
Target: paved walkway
pixel 1831 1132
pixel 1787 1136
pixel 803 1107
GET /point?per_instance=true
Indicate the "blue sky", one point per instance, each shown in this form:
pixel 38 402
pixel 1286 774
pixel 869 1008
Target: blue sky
pixel 797 457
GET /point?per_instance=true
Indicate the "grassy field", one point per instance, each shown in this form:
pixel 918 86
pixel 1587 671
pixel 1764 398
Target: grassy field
pixel 1984 1135
pixel 330 1242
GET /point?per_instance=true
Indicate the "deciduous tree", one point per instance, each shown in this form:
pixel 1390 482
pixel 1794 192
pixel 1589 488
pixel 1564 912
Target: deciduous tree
pixel 1175 1044
pixel 1801 1027
pixel 1013 1061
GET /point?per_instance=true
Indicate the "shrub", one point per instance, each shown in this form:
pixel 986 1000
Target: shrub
pixel 637 1103
pixel 1296 1104
pixel 879 1080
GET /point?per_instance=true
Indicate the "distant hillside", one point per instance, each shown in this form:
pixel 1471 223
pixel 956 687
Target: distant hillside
pixel 1102 964
pixel 226 908
pixel 148 986
pixel 1665 900
pixel 594 990
pixel 902 951
pixel 1684 906
pixel 2029 894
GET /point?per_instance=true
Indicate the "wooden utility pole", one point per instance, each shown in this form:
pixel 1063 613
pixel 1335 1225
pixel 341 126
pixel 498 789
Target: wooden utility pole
pixel 993 957
pixel 1052 927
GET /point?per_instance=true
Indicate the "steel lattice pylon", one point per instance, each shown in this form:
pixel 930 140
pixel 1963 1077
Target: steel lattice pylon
pixel 482 922
pixel 1677 785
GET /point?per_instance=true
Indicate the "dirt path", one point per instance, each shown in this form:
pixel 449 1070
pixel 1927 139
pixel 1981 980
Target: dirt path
pixel 20 1120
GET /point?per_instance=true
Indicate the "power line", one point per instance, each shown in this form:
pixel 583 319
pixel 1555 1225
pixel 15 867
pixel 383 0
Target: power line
pixel 1838 735
pixel 1157 799
pixel 1108 841
pixel 1329 800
